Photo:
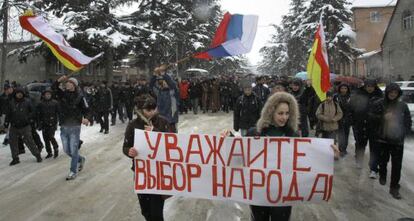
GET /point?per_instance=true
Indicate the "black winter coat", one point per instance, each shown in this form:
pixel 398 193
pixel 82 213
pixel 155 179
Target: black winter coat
pixel 20 113
pixel 72 105
pixel 195 90
pixel 48 114
pixel 116 93
pixel 262 92
pixel 360 104
pixel 246 112
pixel 103 100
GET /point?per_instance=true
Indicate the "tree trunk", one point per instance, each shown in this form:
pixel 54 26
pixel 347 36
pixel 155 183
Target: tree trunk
pixel 5 10
pixel 109 64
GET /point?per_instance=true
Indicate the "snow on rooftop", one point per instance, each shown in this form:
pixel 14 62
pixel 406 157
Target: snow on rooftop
pixel 373 3
pixel 196 70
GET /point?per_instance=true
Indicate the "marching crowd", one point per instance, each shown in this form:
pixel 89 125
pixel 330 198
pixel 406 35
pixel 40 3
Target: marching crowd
pixel 267 107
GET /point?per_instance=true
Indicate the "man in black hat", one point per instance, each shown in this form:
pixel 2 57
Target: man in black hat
pixel 363 126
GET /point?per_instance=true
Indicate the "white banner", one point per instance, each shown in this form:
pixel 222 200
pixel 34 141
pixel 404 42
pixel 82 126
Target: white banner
pixel 266 171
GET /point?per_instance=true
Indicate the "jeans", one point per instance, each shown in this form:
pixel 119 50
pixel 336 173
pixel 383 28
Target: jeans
pixel 70 136
pixel 329 135
pixel 194 104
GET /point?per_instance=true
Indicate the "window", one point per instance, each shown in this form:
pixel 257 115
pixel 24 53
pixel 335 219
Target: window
pixel 375 17
pixel 60 69
pixel 407 20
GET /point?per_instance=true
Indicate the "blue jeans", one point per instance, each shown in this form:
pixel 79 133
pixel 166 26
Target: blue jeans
pixel 70 136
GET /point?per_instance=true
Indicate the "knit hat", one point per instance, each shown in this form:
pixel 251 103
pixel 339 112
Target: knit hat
pixel 370 82
pixel 145 101
pixel 74 81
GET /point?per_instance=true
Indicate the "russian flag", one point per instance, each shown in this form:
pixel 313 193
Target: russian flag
pixel 234 36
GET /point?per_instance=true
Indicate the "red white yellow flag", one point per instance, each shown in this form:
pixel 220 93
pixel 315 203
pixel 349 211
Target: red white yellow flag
pixel 71 57
pixel 318 64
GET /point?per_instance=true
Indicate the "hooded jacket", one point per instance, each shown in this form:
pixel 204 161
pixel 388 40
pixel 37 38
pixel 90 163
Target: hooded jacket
pixel 47 112
pixel 344 103
pixel 265 125
pixel 360 104
pixel 329 113
pixel 20 112
pixel 392 116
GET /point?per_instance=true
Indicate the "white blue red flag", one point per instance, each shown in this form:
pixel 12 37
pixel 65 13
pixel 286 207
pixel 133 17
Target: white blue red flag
pixel 234 36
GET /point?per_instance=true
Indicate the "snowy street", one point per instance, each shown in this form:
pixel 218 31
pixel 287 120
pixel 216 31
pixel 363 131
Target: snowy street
pixel 103 190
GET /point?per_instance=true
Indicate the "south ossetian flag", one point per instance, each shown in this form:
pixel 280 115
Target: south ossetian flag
pixel 70 57
pixel 318 64
pixel 234 36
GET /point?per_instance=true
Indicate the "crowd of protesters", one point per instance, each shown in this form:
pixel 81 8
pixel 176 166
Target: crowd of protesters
pixel 377 117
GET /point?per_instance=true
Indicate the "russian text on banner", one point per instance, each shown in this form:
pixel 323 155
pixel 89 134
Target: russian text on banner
pixel 266 171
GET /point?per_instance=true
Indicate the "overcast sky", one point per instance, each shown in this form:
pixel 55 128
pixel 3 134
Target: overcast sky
pixel 269 12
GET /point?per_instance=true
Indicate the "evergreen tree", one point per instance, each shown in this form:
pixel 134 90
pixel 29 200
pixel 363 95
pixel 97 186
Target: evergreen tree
pixel 339 35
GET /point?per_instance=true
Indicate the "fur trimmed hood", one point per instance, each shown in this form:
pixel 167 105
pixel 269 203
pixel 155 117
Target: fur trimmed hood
pixel 266 117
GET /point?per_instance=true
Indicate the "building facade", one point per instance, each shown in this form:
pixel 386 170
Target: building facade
pixel 370 23
pixel 398 42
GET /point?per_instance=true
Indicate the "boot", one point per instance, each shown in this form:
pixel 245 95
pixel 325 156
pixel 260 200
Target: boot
pixel 101 130
pixel 5 142
pixel 39 158
pixel 382 180
pixel 14 162
pixel 56 153
pixel 106 132
pixel 49 155
pixel 395 193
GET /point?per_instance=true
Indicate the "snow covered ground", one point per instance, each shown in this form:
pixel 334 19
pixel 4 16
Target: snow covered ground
pixel 103 191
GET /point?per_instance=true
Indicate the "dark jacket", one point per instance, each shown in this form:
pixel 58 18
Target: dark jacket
pixel 47 114
pixel 392 118
pixel 20 112
pixel 360 104
pixel 167 98
pixel 262 92
pixel 116 93
pixel 72 105
pixel 142 89
pixel 246 112
pixel 103 100
pixel 160 125
pixel 344 103
pixel 195 90
pixel 129 93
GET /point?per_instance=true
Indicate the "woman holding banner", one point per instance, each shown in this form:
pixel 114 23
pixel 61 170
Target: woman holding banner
pixel 279 118
pixel 152 205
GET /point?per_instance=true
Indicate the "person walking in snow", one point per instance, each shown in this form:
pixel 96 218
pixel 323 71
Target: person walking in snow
pixel 20 115
pixel 74 111
pixel 151 205
pixel 363 126
pixel 329 113
pixel 104 105
pixel 47 117
pixel 343 97
pixel 167 95
pixel 393 124
pixel 246 110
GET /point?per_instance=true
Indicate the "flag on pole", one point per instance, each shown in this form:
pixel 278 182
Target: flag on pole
pixel 71 57
pixel 318 64
pixel 234 36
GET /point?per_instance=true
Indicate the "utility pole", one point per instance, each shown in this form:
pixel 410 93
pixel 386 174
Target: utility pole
pixel 5 10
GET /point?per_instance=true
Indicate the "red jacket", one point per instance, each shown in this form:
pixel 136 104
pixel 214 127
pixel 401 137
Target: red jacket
pixel 184 90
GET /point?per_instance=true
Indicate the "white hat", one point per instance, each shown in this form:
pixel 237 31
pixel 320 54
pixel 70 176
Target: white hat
pixel 74 81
